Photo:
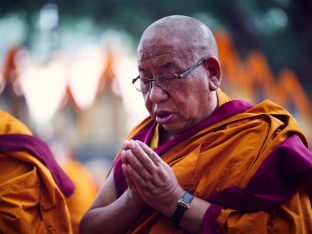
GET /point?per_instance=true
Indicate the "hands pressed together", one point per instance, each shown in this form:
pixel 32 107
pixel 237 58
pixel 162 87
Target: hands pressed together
pixel 150 179
pixel 151 182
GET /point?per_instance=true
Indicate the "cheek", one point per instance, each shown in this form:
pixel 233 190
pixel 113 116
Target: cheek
pixel 192 104
pixel 148 103
pixel 184 106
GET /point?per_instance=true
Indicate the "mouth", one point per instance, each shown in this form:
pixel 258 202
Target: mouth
pixel 163 117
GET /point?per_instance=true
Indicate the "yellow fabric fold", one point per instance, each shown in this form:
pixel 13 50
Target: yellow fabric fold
pixel 30 200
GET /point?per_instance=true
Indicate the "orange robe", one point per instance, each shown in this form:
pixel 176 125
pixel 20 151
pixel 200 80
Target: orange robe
pixel 85 191
pixel 30 199
pixel 227 150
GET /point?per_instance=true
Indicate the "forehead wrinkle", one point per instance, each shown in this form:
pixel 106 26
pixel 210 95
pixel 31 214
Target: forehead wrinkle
pixel 159 63
pixel 160 49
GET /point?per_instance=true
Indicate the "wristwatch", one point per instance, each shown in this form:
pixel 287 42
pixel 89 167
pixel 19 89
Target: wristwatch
pixel 184 203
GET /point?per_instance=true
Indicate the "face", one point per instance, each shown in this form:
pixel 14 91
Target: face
pixel 191 100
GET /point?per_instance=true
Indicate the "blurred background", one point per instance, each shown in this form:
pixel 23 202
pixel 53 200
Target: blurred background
pixel 66 66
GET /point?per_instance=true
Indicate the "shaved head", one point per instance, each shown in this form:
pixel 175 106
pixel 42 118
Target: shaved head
pixel 193 34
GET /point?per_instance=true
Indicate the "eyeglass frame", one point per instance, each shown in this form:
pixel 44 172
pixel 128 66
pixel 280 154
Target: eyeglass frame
pixel 179 76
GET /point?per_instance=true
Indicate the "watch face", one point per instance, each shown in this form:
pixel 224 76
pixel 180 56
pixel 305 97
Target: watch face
pixel 186 200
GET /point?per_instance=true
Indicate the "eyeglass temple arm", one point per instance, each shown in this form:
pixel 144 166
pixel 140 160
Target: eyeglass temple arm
pixel 135 79
pixel 188 71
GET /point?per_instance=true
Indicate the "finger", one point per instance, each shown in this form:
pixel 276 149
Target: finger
pixel 136 165
pixel 142 156
pixel 124 145
pixel 151 153
pixel 164 170
pixel 159 169
pixel 126 173
pixel 124 159
pixel 135 179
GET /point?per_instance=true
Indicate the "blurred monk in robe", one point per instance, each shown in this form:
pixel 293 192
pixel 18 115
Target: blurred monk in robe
pixel 33 188
pixel 85 186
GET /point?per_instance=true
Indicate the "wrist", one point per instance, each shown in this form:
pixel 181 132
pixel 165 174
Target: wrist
pixel 134 200
pixel 172 204
pixel 183 204
pixel 167 208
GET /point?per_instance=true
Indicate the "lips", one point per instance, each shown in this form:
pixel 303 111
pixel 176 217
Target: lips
pixel 163 117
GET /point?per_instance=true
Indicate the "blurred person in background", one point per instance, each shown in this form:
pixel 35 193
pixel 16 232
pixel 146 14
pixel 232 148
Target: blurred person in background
pixel 85 186
pixel 33 187
pixel 201 162
pixel 13 102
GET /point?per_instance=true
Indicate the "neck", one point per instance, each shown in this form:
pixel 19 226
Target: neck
pixel 165 136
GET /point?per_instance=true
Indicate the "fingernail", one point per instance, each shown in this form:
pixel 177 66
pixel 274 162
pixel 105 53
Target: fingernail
pixel 132 143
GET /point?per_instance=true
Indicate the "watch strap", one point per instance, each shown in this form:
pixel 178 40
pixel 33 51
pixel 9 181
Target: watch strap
pixel 184 203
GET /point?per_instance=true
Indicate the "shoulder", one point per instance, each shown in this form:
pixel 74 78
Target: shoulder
pixel 269 107
pixel 11 125
pixel 280 120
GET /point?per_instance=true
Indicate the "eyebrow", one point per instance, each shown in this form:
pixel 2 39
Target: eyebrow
pixel 163 66
pixel 167 65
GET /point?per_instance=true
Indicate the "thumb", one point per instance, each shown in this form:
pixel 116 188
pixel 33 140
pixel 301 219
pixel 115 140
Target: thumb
pixel 125 169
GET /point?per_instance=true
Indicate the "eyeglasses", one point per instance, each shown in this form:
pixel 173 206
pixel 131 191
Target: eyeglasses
pixel 165 82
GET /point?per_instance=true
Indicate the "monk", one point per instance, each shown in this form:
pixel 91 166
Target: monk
pixel 33 188
pixel 201 162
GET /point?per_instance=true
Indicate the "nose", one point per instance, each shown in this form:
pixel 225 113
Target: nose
pixel 157 94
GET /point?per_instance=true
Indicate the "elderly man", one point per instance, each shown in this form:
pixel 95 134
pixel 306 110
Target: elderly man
pixel 202 162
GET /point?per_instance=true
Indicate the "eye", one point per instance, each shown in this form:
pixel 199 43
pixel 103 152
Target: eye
pixel 145 81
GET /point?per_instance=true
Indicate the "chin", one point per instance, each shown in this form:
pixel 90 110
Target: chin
pixel 173 131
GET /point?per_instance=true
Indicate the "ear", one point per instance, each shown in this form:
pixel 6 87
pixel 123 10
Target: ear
pixel 212 64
